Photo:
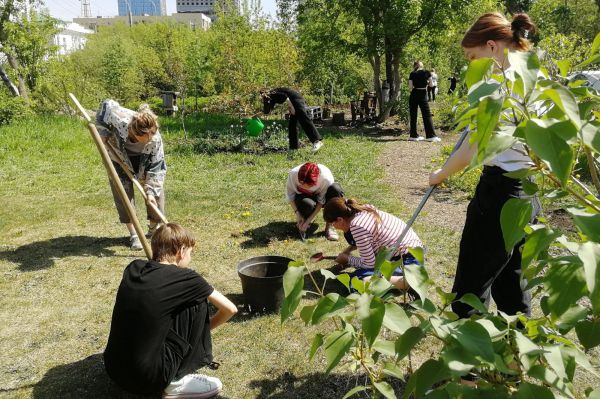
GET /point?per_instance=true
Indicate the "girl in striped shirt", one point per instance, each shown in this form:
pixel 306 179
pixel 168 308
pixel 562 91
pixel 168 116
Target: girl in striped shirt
pixel 369 229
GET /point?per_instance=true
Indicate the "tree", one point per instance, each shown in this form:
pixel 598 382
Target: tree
pixel 25 39
pixel 379 31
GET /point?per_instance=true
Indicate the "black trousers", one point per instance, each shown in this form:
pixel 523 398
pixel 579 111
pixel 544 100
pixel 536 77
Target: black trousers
pixel 189 345
pixel 307 125
pixel 306 204
pixel 431 93
pixel 418 99
pixel 484 267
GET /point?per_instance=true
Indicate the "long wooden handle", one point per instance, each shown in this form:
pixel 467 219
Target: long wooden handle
pixel 112 174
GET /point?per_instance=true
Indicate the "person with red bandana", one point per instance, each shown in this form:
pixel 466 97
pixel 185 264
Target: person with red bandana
pixel 309 187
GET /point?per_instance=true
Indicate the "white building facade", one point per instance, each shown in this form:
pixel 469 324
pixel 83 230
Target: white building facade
pixel 71 38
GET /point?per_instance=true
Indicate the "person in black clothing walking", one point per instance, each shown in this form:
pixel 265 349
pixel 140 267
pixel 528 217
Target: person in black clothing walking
pixel 161 323
pixel 453 81
pixel 418 81
pixel 297 107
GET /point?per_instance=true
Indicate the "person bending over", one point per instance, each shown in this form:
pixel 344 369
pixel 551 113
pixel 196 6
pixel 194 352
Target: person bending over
pixel 160 332
pixel 298 114
pixel 138 143
pixel 370 229
pixel 308 187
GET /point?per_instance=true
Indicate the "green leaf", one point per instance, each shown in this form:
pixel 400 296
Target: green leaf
pixel 595 45
pixel 547 376
pixel 564 66
pixel 445 297
pixel 488 114
pixel 474 302
pixel 384 347
pixel 306 313
pixel 515 215
pixel 407 341
pixel 527 65
pixel 555 360
pixel 293 286
pixel 419 254
pixel 551 148
pixel 417 278
pixel 387 269
pixel 476 340
pixel 393 370
pixel 519 174
pixel 590 61
pixel 344 279
pixel 458 360
pixel 537 242
pixel 385 389
pixel 328 306
pixel 591 135
pixel 382 255
pixel 589 253
pixel 327 274
pixel 336 345
pixel 379 286
pixel 565 285
pixel 316 344
pixel 588 223
pixel 395 318
pixel 595 394
pixel 564 100
pixel 588 333
pixel 477 70
pixel 370 310
pixel 358 285
pixel 482 89
pixel 422 380
pixel 531 391
pixel 354 391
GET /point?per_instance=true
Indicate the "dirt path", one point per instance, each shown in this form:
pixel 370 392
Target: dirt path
pixel 407 166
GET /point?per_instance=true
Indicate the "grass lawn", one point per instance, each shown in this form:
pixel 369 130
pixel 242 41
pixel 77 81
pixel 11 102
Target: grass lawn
pixel 62 253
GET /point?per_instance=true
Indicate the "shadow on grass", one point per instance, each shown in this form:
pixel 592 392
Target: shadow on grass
pixel 83 379
pixel 263 235
pixel 244 313
pixel 42 254
pixel 315 385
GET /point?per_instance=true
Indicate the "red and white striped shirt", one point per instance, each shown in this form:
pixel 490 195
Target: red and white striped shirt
pixel 370 236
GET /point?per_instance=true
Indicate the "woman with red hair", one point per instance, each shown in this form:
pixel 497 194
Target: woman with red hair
pixel 309 187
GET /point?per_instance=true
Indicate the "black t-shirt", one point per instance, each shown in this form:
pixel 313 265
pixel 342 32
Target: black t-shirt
pixel 279 95
pixel 420 78
pixel 149 296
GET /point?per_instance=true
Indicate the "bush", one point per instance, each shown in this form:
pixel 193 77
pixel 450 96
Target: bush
pixel 12 108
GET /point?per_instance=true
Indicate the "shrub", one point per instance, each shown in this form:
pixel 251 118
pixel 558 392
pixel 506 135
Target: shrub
pixel 12 108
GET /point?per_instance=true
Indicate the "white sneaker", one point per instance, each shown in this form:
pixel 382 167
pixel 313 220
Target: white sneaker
pixel 418 138
pixel 317 145
pixel 434 139
pixel 134 243
pixel 196 386
pixel 331 234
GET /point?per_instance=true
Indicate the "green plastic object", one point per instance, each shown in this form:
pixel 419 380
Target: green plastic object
pixel 254 126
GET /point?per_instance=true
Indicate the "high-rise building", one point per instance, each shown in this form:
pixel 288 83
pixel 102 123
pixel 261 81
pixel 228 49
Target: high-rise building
pixel 142 7
pixel 206 6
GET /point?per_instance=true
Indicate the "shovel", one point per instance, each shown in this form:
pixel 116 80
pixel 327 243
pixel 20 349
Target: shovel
pixel 319 257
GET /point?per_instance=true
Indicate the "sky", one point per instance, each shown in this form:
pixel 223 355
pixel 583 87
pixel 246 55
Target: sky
pixel 68 9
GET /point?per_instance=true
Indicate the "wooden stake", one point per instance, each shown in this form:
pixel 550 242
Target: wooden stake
pixel 112 174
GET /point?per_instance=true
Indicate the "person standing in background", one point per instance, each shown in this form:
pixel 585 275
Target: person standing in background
pixel 431 90
pixel 418 81
pixel 453 81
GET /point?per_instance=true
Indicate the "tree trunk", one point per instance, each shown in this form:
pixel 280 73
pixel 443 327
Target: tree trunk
pixel 14 64
pixel 8 83
pixel 376 65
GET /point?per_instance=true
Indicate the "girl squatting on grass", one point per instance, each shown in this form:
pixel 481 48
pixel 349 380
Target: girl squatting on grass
pixel 484 267
pixel 370 229
pixel 138 143
pixel 309 187
pixel 160 329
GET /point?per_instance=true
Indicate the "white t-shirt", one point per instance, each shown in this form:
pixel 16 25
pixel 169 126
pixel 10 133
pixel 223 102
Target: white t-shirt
pixel 319 190
pixel 434 78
